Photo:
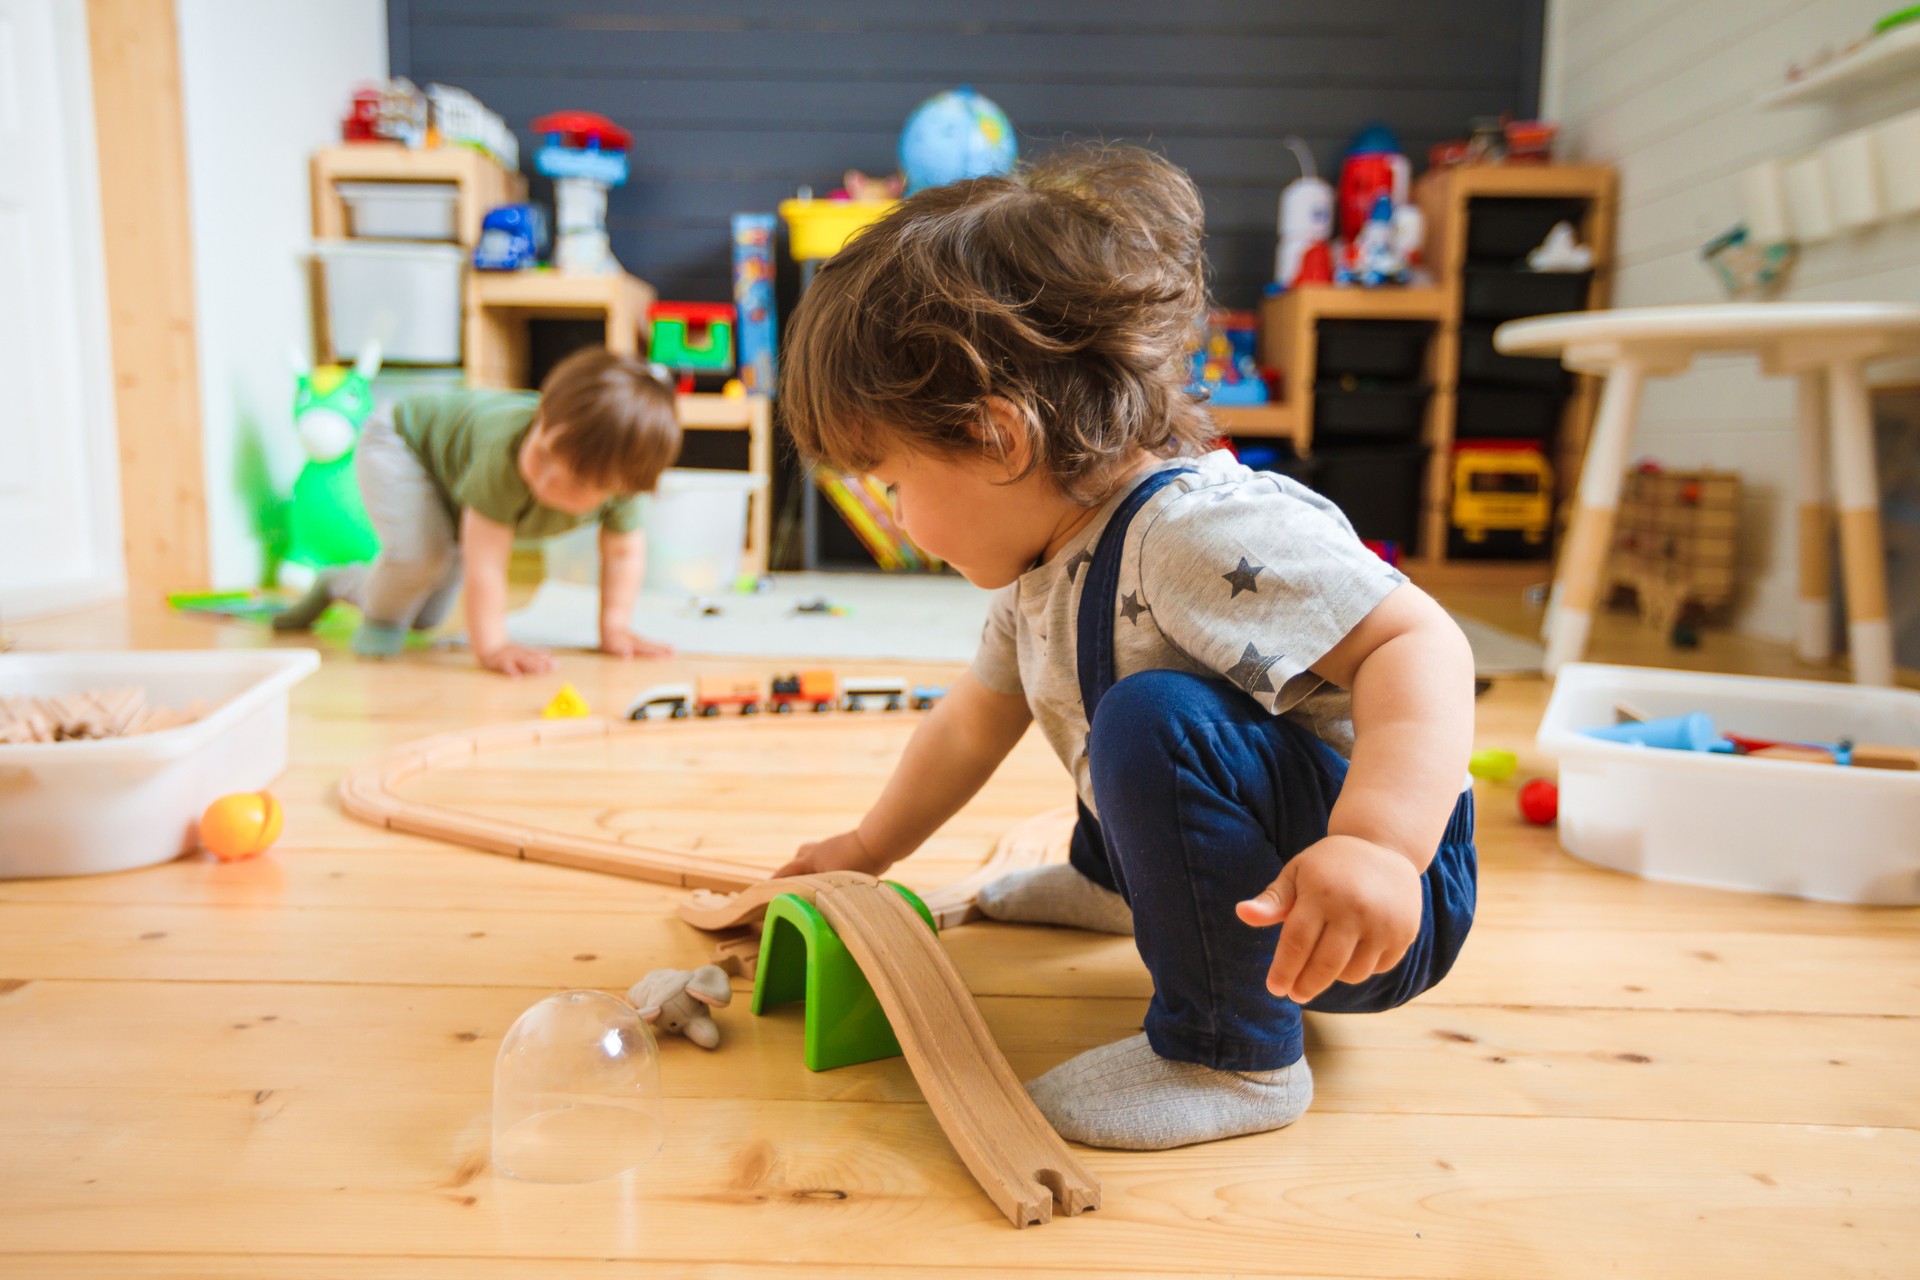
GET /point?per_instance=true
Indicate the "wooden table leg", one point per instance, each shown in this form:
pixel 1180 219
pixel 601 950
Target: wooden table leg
pixel 1816 522
pixel 1576 583
pixel 1862 553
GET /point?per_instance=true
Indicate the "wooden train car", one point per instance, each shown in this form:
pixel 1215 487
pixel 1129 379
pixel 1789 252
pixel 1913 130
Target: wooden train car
pixel 889 692
pixel 711 694
pixel 816 689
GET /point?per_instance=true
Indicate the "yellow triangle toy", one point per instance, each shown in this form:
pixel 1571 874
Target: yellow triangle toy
pixel 566 705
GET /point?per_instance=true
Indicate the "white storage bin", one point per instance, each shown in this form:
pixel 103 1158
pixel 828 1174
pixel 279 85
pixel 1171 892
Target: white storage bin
pixel 78 808
pixel 696 526
pixel 1764 826
pixel 401 210
pixel 406 297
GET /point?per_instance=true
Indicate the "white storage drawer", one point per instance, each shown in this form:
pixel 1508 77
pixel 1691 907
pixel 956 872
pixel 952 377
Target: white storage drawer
pixel 406 297
pixel 401 210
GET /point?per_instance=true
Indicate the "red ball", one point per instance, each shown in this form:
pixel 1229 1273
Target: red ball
pixel 1540 802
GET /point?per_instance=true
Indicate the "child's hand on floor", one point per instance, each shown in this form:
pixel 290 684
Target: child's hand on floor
pixel 1351 907
pixel 622 643
pixel 844 852
pixel 516 660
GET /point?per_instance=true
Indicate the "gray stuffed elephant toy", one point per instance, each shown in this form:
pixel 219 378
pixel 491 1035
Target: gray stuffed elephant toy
pixel 683 1000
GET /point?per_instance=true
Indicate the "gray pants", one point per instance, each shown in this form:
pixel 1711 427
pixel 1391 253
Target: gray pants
pixel 414 579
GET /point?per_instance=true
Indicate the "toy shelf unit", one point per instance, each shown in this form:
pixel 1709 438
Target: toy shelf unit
pixel 393 227
pixel 1508 434
pixel 1358 408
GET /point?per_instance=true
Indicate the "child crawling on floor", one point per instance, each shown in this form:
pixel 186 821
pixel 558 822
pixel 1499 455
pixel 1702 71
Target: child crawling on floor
pixel 451 480
pixel 1268 727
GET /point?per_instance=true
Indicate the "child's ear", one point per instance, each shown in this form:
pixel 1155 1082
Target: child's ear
pixel 1003 433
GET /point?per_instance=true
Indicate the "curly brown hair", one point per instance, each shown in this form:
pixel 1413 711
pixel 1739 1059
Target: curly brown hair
pixel 1070 290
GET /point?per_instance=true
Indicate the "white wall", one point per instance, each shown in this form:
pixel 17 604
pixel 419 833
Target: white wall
pixel 264 84
pixel 1665 91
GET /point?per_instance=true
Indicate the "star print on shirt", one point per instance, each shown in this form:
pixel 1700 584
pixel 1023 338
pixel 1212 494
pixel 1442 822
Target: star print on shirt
pixel 1130 605
pixel 1078 563
pixel 1243 578
pixel 1250 673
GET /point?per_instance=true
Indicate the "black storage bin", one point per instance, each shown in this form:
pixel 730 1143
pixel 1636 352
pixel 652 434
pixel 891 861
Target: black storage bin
pixel 1507 413
pixel 1503 293
pixel 1506 229
pixel 1378 488
pixel 1370 411
pixel 1480 362
pixel 1372 348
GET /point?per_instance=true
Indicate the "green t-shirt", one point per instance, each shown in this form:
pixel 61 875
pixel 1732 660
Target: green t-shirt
pixel 469 442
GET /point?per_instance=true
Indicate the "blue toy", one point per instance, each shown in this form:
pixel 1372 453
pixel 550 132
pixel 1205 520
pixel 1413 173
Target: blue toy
pixel 954 135
pixel 513 237
pixel 753 300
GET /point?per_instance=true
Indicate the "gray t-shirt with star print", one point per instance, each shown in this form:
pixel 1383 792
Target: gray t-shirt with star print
pixel 1226 572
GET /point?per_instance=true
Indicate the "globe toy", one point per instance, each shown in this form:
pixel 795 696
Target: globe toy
pixel 954 135
pixel 241 825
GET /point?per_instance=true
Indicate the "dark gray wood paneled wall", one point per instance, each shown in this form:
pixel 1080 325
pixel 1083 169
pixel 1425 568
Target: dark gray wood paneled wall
pixel 735 105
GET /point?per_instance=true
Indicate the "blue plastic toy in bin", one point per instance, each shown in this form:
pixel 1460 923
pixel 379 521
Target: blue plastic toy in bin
pixel 1692 732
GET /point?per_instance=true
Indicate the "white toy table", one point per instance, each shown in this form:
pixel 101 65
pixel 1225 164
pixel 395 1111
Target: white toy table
pixel 1826 345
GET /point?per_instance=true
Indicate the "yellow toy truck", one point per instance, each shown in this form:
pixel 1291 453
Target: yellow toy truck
pixel 1501 490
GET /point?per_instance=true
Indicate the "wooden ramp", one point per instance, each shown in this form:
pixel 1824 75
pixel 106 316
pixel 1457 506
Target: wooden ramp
pixel 1008 1146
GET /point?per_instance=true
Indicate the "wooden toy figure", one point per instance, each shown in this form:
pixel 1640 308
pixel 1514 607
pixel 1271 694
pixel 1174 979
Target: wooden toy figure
pixel 683 1001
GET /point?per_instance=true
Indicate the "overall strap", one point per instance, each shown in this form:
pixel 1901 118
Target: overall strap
pixel 1102 582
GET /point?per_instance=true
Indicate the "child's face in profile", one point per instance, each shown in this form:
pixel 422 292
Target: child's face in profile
pixel 964 510
pixel 552 483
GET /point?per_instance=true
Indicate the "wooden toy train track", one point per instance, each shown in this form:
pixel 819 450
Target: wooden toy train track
pixel 1021 1164
pixel 367 793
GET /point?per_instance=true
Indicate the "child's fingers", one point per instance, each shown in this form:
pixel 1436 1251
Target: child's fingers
pixel 1331 952
pixel 1296 945
pixel 1270 906
pixel 1364 964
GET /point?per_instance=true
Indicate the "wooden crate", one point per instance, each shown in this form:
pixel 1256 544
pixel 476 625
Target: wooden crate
pixel 1675 542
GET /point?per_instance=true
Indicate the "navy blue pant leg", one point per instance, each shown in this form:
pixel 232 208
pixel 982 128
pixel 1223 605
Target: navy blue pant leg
pixel 1203 797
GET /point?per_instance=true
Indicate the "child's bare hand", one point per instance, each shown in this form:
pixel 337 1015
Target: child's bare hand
pixel 516 660
pixel 844 852
pixel 1351 907
pixel 622 643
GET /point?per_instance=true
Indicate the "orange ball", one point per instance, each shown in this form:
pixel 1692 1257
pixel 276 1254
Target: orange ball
pixel 241 825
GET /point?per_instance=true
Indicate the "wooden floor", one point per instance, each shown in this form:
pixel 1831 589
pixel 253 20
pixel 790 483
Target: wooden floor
pixel 281 1068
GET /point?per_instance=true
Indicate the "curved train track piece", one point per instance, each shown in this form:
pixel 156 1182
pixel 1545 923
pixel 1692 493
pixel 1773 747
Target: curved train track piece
pixel 367 793
pixel 1008 1146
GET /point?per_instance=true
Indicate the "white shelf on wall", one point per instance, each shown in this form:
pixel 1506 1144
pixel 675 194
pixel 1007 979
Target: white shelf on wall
pixel 1880 60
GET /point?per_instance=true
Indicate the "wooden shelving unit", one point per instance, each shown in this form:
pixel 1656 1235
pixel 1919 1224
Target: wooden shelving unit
pixel 500 303
pixel 1445 197
pixel 482 184
pixel 1290 335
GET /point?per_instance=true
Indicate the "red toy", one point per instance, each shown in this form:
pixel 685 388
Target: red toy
pixel 583 130
pixel 1540 802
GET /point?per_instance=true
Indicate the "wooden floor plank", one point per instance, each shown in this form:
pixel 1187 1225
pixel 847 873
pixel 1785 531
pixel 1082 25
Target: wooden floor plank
pixel 1596 1063
pixel 751 1179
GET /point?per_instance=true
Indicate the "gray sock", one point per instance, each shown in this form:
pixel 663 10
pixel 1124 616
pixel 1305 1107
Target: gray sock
pixel 303 614
pixel 1126 1096
pixel 1055 894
